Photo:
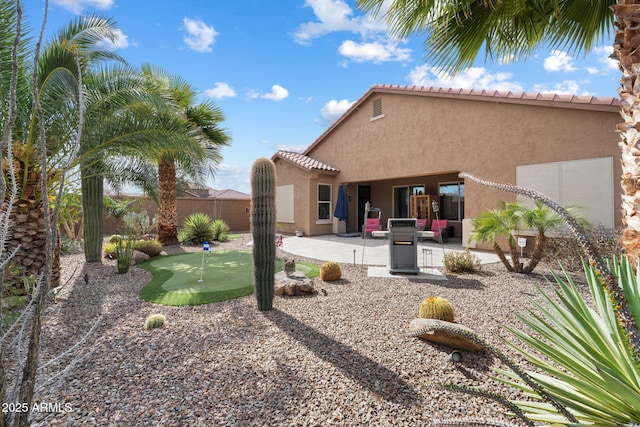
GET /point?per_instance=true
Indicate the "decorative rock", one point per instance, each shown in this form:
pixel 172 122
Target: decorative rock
pixel 448 338
pixel 139 257
pixel 294 284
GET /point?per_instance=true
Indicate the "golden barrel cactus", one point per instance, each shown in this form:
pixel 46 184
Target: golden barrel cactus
pixel 436 308
pixel 330 271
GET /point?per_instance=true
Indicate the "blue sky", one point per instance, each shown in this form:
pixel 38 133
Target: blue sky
pixel 284 70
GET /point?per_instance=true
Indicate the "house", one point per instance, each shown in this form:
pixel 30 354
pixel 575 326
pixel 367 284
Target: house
pixel 402 147
pixel 205 192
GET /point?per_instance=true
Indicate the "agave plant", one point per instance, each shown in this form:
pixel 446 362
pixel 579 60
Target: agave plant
pixel 197 228
pixel 588 367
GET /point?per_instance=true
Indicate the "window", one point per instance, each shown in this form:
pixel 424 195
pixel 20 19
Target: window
pixel 324 202
pixel 401 199
pixel 452 201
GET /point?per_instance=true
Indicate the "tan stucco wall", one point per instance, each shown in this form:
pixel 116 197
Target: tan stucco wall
pixel 421 135
pixel 232 211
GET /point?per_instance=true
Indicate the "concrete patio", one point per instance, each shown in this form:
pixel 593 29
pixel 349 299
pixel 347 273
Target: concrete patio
pixel 373 251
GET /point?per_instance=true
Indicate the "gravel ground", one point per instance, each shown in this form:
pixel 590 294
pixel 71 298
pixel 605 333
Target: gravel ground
pixel 336 359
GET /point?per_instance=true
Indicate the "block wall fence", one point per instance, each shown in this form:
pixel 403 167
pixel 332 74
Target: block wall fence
pixel 234 212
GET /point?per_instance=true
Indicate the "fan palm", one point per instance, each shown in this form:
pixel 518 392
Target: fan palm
pixel 501 222
pixel 126 122
pixel 204 119
pixel 456 31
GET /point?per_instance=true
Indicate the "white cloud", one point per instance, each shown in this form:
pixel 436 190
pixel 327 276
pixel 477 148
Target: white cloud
pixel 200 36
pixel 559 61
pixel 121 40
pixel 374 52
pixel 333 109
pixel 472 78
pixel 234 177
pixel 567 87
pixel 221 90
pixel 592 70
pixel 604 57
pixel 278 93
pixel 76 6
pixel 332 16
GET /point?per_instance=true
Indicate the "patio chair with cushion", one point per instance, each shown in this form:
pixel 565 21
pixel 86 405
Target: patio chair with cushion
pixel 372 223
pixel 439 228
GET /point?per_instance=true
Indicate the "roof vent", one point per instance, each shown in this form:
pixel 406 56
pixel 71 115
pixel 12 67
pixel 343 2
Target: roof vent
pixel 377 107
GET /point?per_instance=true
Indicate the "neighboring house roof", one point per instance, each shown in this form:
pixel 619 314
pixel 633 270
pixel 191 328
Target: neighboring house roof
pixel 496 96
pixel 305 162
pixel 229 194
pixel 205 192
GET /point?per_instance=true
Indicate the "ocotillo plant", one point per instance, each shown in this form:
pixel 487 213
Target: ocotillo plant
pixel 263 225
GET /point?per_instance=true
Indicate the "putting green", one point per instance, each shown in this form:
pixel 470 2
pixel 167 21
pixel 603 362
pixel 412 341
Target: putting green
pixel 203 277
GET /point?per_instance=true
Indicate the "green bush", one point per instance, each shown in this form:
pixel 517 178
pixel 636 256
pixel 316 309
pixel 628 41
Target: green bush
pixel 196 229
pixel 124 253
pixel 115 238
pixel 220 230
pixel 153 248
pixel 461 262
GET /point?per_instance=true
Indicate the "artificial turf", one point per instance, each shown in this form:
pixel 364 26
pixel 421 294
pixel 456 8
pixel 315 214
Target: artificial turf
pixel 225 275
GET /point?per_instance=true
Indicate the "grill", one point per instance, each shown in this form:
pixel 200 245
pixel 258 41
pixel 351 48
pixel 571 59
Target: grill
pixel 403 245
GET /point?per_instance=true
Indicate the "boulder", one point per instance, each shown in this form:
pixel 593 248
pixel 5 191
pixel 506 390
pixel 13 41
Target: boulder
pixel 139 257
pixel 448 338
pixel 294 284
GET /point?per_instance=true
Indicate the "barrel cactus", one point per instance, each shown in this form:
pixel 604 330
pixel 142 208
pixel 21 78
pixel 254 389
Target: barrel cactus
pixel 155 321
pixel 330 271
pixel 436 308
pixel 263 226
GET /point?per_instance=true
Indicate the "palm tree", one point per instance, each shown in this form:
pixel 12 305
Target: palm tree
pixel 126 122
pixel 541 219
pixel 502 222
pixel 58 67
pixel 457 30
pixel 204 119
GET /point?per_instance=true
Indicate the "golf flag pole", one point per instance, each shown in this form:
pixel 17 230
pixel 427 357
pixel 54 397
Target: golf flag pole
pixel 205 248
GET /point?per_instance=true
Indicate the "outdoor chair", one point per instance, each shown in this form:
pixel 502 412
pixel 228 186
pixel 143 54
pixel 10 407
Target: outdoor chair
pixel 439 228
pixel 371 224
pixel 422 224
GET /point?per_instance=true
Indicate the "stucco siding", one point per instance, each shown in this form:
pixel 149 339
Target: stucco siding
pixel 423 135
pixel 427 137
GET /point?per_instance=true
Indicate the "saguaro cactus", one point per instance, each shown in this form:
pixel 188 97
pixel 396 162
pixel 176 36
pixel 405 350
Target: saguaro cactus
pixel 263 225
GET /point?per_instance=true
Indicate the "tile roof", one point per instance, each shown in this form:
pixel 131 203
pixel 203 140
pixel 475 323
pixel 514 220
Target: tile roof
pixel 305 162
pixel 610 104
pixel 533 98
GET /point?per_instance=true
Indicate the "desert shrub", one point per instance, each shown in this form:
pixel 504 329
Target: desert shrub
pixel 152 248
pixel 115 238
pixel 436 308
pixel 109 250
pixel 220 230
pixel 566 250
pixel 124 253
pixel 461 262
pixel 196 229
pixel 155 321
pixel 69 246
pixel 330 271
